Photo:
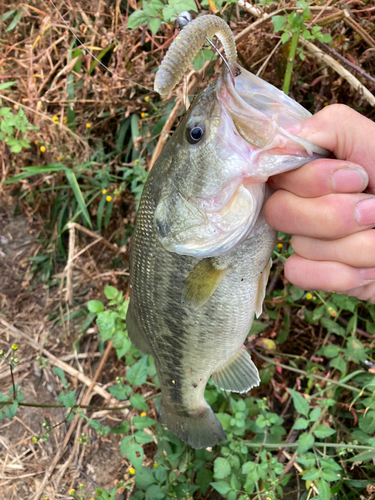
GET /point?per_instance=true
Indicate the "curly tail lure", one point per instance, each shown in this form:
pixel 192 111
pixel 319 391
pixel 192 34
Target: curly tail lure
pixel 187 44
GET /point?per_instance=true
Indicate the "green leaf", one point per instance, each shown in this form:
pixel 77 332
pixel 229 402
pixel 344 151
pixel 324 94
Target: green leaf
pixel 305 442
pixel 144 478
pixel 142 422
pixel 137 19
pixel 222 468
pixel 315 414
pixel 15 21
pixel 203 479
pixel 123 428
pixel 330 476
pixel 307 460
pixel 6 85
pixel 110 292
pixel 106 320
pixel 11 410
pixel 301 424
pixel 363 457
pixel 78 195
pixel 95 306
pixel 355 350
pixel 285 37
pixel 324 490
pixel 7 15
pixel 333 327
pixel 331 351
pixel 154 25
pixel 300 403
pixel 135 453
pixel 221 486
pixel 60 373
pixel 139 402
pixel 367 423
pixel 69 399
pixel 137 374
pixel 322 432
pixel 312 475
pixel 102 430
pixel 142 437
pixel 338 363
pixel 279 23
pixel 120 391
pixel 125 443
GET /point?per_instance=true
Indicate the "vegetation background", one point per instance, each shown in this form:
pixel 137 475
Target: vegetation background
pixel 80 127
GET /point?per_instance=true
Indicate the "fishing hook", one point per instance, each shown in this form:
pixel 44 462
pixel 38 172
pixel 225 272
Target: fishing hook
pixel 183 19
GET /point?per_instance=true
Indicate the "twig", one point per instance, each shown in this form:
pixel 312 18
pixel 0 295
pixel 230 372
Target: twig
pixel 299 469
pixel 302 372
pixel 55 361
pixel 73 424
pixel 336 66
pixel 69 266
pixel 100 238
pixel 358 28
pixel 346 61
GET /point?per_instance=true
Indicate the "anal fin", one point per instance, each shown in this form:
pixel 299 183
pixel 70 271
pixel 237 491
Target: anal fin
pixel 239 374
pixel 136 335
pixel 261 293
pixel 202 282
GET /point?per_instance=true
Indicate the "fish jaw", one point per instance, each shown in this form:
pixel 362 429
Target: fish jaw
pixel 267 120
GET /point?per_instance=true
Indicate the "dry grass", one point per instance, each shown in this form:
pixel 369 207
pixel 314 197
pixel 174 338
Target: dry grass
pixel 38 55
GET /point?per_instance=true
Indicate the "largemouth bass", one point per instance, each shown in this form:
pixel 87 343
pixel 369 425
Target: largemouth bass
pixel 201 248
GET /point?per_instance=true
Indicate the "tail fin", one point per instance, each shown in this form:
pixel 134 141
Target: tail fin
pixel 200 429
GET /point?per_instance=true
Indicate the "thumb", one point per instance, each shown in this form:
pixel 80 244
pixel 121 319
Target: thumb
pixel 350 135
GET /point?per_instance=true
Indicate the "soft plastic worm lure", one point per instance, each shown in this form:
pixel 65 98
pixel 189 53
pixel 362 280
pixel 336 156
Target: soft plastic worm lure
pixel 187 44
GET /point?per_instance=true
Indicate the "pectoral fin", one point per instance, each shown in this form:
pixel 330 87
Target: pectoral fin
pixel 239 374
pixel 262 283
pixel 201 283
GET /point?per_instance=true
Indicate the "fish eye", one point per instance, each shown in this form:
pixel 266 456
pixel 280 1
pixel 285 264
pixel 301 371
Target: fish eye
pixel 195 133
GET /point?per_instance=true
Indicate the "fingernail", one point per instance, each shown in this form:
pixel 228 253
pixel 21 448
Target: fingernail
pixel 349 180
pixel 368 275
pixel 365 212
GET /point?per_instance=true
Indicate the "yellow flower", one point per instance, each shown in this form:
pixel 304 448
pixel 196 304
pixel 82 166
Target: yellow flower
pixel 155 465
pixel 147 98
pixel 136 161
pixel 59 158
pixel 72 491
pixel 34 439
pixel 279 245
pixel 109 198
pixel 143 115
pixel 104 191
pixel 333 313
pixel 131 470
pixel 42 149
pixel 309 296
pixel 55 118
pixel 117 192
pixel 65 119
pixel 88 125
pixel 15 347
pixel 143 414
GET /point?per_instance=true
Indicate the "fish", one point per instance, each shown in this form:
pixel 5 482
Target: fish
pixel 201 247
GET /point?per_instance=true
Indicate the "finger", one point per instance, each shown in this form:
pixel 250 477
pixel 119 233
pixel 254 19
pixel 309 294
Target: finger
pixel 332 216
pixel 366 292
pixel 322 177
pixel 327 276
pixel 347 133
pixel 356 250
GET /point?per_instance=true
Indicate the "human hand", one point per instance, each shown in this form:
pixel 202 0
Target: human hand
pixel 329 207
